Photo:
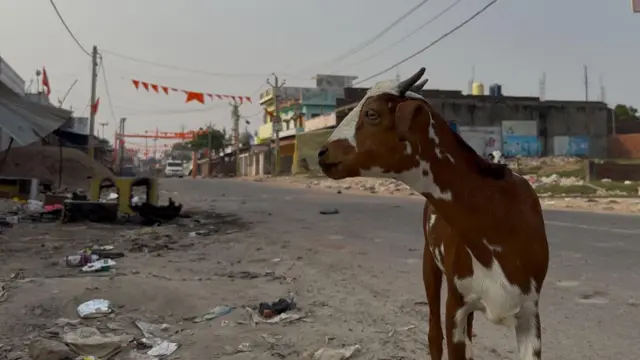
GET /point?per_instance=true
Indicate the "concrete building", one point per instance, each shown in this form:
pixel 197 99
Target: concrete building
pixel 308 101
pixel 516 125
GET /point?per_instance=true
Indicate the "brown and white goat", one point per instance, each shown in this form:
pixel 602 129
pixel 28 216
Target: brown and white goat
pixel 483 224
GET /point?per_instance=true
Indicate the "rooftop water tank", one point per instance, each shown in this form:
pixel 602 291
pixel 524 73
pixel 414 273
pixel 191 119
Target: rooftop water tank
pixel 477 89
pixel 495 90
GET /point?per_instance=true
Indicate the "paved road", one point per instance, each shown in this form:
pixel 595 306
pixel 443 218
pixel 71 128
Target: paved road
pixel 591 300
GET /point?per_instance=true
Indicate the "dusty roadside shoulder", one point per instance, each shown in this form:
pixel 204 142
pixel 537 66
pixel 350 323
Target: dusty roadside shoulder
pixel 384 187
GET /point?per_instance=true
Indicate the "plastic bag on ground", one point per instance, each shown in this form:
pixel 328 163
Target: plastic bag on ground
pixel 336 354
pixel 94 308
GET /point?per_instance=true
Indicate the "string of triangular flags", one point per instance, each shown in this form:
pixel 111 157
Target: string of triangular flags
pixel 191 95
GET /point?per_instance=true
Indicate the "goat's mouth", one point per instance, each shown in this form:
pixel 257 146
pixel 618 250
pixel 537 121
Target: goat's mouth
pixel 329 166
pixel 331 169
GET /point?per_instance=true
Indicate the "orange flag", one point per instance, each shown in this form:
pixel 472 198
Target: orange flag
pixel 195 96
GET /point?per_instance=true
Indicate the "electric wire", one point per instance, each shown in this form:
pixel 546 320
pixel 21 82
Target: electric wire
pixel 486 7
pixel 106 87
pixel 368 42
pixel 185 69
pixel 67 27
pixel 397 42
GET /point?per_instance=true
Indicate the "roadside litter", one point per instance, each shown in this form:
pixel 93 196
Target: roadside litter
pixel 97 259
pixel 95 308
pixel 88 341
pixel 336 354
pixel 214 313
pixel 276 308
pixel 153 338
pixel 283 318
pixel 100 265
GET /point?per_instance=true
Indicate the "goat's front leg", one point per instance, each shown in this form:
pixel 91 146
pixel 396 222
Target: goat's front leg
pixel 432 277
pixel 456 320
pixel 528 333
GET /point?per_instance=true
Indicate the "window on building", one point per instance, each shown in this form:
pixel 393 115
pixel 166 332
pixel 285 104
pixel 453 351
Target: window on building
pixel 314 115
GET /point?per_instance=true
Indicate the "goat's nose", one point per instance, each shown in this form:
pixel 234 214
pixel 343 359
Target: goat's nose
pixel 322 152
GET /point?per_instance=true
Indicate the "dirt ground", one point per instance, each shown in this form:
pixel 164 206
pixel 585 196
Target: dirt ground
pixel 355 281
pixel 168 276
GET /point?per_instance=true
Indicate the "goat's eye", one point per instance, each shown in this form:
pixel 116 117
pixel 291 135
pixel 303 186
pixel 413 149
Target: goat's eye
pixel 371 115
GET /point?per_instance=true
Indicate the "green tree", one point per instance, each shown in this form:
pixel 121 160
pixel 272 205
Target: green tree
pixel 201 141
pixel 180 146
pixel 624 112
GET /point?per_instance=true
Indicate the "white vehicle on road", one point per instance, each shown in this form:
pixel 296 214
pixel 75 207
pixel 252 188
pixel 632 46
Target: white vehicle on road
pixel 174 168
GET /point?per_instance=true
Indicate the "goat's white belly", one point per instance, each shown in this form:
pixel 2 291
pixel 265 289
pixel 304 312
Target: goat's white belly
pixel 489 291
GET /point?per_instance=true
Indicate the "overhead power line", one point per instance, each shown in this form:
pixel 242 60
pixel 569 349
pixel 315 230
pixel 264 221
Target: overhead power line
pixel 397 42
pixel 430 45
pixel 180 68
pixel 106 86
pixel 68 30
pixel 368 42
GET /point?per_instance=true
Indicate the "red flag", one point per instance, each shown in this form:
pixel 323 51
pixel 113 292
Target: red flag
pixel 195 96
pixel 94 107
pixel 248 99
pixel 154 87
pixel 165 89
pixel 136 83
pixel 145 85
pixel 45 81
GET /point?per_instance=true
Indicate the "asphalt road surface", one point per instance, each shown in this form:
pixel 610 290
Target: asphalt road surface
pixel 590 301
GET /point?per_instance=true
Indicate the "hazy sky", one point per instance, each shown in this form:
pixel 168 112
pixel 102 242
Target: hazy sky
pixel 512 43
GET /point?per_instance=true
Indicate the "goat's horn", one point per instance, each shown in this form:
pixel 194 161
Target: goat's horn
pixel 406 85
pixel 418 87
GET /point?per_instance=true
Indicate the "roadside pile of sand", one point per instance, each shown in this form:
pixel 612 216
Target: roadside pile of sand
pixel 43 163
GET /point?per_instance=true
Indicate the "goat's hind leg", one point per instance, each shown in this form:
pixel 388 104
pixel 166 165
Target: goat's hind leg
pixel 456 320
pixel 432 277
pixel 528 333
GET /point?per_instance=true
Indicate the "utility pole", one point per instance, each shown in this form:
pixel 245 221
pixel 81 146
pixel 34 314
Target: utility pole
pixel 276 122
pixel 210 146
pixel 586 83
pixel 122 148
pixel 92 113
pixel 543 87
pixel 155 145
pixel 235 116
pixel 103 124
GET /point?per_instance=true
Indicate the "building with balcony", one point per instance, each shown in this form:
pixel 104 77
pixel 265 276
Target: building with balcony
pixel 307 102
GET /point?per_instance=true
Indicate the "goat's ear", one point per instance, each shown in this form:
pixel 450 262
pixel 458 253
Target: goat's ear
pixel 405 113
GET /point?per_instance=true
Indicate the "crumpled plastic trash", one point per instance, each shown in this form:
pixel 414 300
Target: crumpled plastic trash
pixel 279 319
pixel 89 341
pixel 35 206
pixel 95 308
pixel 336 354
pixel 99 265
pixel 165 348
pixel 152 338
pixel 214 313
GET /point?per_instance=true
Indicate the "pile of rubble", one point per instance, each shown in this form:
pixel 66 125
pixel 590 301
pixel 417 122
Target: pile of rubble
pixel 554 179
pixel 542 161
pixel 370 185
